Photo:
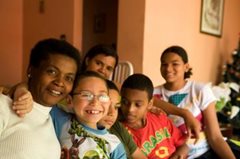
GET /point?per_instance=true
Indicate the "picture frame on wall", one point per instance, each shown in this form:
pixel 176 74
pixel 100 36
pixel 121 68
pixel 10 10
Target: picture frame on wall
pixel 212 17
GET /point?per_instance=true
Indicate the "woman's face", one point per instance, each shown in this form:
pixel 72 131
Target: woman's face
pixel 173 68
pixel 112 115
pixel 53 79
pixel 102 64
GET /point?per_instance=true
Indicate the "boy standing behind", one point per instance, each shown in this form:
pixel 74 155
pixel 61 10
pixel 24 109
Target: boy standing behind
pixel 154 134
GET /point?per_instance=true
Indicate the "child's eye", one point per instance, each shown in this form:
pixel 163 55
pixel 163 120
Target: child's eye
pixel 138 104
pixel 175 64
pixel 110 69
pixel 99 63
pixel 85 95
pixel 103 98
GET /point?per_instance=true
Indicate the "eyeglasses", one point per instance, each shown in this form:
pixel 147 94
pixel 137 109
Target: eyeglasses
pixel 87 95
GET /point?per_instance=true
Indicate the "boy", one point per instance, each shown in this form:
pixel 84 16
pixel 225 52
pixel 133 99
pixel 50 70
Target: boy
pixel 78 133
pixel 154 134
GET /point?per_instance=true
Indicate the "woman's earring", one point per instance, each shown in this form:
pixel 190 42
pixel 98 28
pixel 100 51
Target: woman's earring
pixel 29 75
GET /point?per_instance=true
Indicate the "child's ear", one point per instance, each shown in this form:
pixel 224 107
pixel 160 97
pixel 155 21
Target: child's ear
pixel 150 104
pixel 69 101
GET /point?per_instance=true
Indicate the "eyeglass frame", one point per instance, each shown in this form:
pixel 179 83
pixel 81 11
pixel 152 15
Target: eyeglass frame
pixel 91 96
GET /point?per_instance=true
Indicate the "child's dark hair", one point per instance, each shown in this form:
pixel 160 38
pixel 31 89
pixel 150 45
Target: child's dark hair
pixel 180 52
pixel 51 46
pixel 111 85
pixel 87 74
pixel 140 82
pixel 100 49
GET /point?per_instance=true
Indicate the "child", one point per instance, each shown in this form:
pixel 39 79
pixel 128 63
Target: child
pixel 197 98
pixel 115 127
pixel 102 59
pixel 79 134
pixel 154 134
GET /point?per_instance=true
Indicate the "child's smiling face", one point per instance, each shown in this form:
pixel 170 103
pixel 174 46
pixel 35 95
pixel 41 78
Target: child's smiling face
pixel 135 105
pixel 112 115
pixel 90 111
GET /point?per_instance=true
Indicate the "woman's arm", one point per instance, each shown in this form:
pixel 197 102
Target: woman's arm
pixel 214 136
pixel 192 124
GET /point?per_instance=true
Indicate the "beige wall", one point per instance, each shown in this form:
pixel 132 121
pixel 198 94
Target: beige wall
pixel 131 32
pixel 57 18
pixel 11 41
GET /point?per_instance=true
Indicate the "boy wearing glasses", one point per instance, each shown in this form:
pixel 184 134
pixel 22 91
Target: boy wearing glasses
pixel 78 133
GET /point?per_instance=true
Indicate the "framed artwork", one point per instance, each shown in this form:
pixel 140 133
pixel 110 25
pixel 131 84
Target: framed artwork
pixel 212 17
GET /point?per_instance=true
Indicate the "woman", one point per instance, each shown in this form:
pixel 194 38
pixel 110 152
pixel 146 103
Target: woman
pixel 51 74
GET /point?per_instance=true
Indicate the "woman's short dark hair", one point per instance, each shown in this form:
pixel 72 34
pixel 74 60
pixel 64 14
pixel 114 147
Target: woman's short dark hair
pixel 51 46
pixel 100 49
pixel 180 52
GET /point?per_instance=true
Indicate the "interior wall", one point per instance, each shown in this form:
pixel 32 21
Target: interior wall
pixel 99 22
pixel 148 28
pixel 131 32
pixel 51 19
pixel 11 41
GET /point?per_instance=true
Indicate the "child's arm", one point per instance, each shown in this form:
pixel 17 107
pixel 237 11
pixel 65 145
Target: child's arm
pixel 181 152
pixel 138 154
pixel 213 133
pixel 4 90
pixel 192 124
pixel 22 99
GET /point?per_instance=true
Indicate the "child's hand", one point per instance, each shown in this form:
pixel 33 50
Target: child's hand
pixel 22 101
pixel 157 110
pixel 65 153
pixel 193 126
pixel 181 152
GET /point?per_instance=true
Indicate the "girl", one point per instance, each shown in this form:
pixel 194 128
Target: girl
pixel 197 98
